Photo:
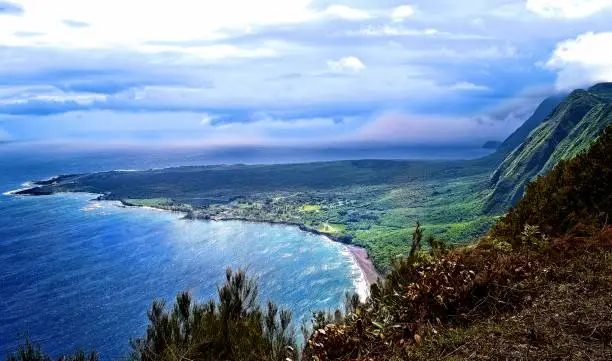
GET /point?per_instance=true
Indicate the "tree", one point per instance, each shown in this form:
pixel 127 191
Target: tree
pixel 417 236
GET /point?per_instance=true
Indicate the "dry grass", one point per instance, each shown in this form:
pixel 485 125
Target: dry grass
pixel 486 302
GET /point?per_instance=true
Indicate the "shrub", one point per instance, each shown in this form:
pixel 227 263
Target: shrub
pixel 235 328
pixel 29 351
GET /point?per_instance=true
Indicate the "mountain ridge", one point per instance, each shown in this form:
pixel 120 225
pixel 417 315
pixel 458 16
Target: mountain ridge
pixel 569 129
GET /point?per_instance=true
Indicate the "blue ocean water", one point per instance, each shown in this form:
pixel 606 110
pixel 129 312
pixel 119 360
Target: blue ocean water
pixel 76 273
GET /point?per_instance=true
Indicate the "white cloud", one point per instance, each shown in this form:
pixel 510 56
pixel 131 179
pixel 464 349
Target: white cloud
pixel 467 86
pixel 50 95
pixel 570 9
pixel 133 25
pixel 207 119
pixel 348 13
pixel 212 52
pixel 397 30
pixel 387 30
pixel 584 60
pixel 396 126
pixel 349 63
pixel 402 12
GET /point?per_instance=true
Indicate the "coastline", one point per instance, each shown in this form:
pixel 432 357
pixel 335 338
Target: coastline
pixel 361 257
pixel 369 273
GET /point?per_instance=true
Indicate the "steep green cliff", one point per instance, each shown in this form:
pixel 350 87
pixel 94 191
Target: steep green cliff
pixel 568 130
pixel 518 137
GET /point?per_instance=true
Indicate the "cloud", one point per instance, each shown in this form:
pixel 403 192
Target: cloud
pixel 407 128
pixel 222 66
pixel 569 9
pixel 402 12
pixel 184 129
pixel 10 8
pixel 75 23
pixel 400 31
pixel 349 63
pixel 582 61
pixel 208 119
pixel 388 30
pixel 27 34
pixel 348 13
pixel 467 86
pixel 110 24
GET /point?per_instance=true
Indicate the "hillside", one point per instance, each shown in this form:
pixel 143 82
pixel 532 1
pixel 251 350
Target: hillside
pixel 570 128
pixel 536 288
pixel 518 136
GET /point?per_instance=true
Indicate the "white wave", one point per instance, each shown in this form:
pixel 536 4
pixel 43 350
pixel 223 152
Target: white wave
pixel 15 191
pixel 359 279
pixel 153 209
pixel 362 288
pixel 92 207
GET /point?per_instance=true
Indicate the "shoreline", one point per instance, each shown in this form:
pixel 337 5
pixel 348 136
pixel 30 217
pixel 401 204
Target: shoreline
pixel 359 255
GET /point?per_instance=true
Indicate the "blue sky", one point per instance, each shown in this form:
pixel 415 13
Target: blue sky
pixel 290 72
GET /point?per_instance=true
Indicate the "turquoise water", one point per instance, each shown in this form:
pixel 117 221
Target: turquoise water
pixel 81 273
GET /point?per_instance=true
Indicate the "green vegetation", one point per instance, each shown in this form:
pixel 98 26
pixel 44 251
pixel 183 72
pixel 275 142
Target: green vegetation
pixel 582 135
pixel 29 351
pixel 235 328
pixel 520 135
pixel 537 287
pixel 311 207
pixel 160 203
pixel 571 128
pixel 576 192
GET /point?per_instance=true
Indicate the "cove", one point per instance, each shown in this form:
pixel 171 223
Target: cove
pixel 76 273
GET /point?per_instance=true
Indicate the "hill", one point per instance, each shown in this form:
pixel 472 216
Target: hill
pixel 537 287
pixel 520 135
pixel 569 129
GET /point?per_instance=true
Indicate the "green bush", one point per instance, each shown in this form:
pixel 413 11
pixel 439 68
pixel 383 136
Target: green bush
pixel 235 328
pixel 29 351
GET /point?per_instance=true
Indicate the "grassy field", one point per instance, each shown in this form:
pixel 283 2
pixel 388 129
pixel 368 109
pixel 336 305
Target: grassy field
pixel 370 203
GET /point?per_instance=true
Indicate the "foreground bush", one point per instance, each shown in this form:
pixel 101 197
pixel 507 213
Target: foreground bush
pixel 29 351
pixel 235 328
pixel 486 301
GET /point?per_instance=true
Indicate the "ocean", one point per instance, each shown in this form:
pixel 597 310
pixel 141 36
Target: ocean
pixel 77 273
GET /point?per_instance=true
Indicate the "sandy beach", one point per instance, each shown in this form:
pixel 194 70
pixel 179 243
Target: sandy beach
pixel 365 263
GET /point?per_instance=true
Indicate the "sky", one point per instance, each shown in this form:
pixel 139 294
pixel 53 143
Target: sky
pixel 290 72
